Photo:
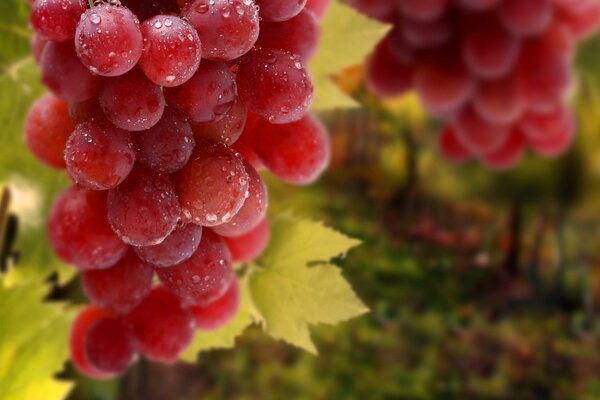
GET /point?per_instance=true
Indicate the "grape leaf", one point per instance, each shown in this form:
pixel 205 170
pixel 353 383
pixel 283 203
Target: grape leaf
pixel 34 347
pixel 289 294
pixel 225 337
pixel 347 37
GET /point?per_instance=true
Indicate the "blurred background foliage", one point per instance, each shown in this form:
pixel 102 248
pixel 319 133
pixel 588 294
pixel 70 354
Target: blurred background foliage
pixel 482 285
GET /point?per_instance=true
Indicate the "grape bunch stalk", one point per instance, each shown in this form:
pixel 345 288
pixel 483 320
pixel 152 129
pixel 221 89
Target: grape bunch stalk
pixel 161 112
pixel 498 72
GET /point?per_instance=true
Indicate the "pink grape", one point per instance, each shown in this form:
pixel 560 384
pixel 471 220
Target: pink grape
pixel 162 326
pixel 108 40
pixel 132 101
pixel 249 246
pixel 279 10
pixel 64 74
pixel 213 185
pixel 318 7
pixel 451 148
pixel 477 135
pixel 500 101
pixel 386 76
pixel 79 231
pixel 296 153
pixel 508 155
pixel 253 210
pixel 226 130
pixel 211 18
pixel 144 209
pixel 203 278
pixel 99 155
pixel 526 18
pixel 426 10
pixel 88 317
pixel 56 19
pixel 172 50
pixel 275 85
pixel 168 145
pixel 299 35
pixel 121 287
pixel 110 346
pixel 207 96
pixel 47 129
pixel 220 312
pixel 176 248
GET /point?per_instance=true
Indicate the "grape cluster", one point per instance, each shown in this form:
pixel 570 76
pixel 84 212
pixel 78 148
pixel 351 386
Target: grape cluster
pixel 161 112
pixel 497 71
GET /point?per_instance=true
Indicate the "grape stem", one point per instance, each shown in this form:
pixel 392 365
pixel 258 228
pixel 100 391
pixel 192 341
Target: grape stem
pixel 91 3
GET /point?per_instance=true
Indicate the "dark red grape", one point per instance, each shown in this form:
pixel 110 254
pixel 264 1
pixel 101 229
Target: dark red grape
pixel 245 144
pixel 109 40
pixel 479 5
pixel 204 277
pixel 79 231
pixel 500 101
pixel 227 28
pixel 212 186
pixel 526 18
pixel 168 145
pixel 508 155
pixel 64 74
pixel 249 246
pixel 582 17
pixel 253 210
pixel 279 10
pixel 143 210
pixel 121 287
pixel 318 7
pixel 479 136
pixel 162 327
pixel 56 19
pixel 83 111
pixel 176 248
pixel 451 148
pixel 386 76
pixel 99 155
pixel 275 85
pixel 110 346
pixel 299 35
pixel 549 133
pixel 425 34
pixel 172 50
pixel 382 10
pixel 226 130
pixel 220 312
pixel 207 96
pixel 426 10
pixel 144 9
pixel 47 129
pixel 296 153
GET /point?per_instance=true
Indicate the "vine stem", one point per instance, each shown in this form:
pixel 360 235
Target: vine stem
pixel 91 3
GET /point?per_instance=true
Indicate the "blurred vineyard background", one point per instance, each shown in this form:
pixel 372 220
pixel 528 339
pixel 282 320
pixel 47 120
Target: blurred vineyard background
pixel 482 285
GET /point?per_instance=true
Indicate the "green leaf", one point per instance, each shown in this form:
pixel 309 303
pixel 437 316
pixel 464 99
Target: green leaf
pixel 35 345
pixel 225 337
pixel 36 185
pixel 289 294
pixel 347 37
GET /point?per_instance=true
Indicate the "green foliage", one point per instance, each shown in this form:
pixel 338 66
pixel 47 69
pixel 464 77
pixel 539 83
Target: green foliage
pixel 33 342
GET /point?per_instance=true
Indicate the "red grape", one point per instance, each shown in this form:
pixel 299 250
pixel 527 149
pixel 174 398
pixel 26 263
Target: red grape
pixel 299 35
pixel 64 74
pixel 86 318
pixel 426 10
pixel 451 148
pixel 382 10
pixel 132 101
pixel 424 34
pixel 479 136
pixel 479 5
pixel 220 312
pixel 168 145
pixel 386 76
pixel 582 17
pixel 143 210
pixel 226 130
pixel 121 287
pixel 207 96
pixel 318 7
pixel 205 276
pixel 213 185
pixel 83 111
pixel 172 50
pixel 279 10
pixel 56 19
pixel 144 9
pixel 47 129
pixel 109 40
pixel 79 231
pixel 249 246
pixel 508 155
pixel 499 101
pixel 162 327
pixel 275 85
pixel 227 28
pixel 253 210
pixel 549 133
pixel 99 155
pixel 296 153
pixel 525 18
pixel 176 248
pixel 245 144
pixel 110 346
